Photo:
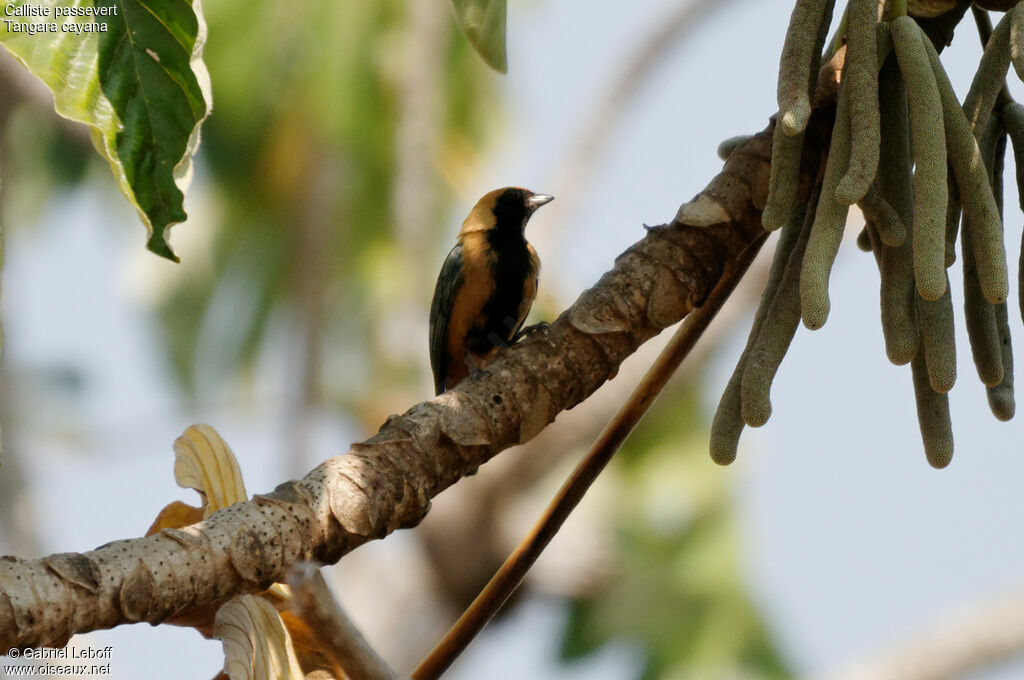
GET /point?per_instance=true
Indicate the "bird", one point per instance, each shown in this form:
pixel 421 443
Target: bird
pixel 486 286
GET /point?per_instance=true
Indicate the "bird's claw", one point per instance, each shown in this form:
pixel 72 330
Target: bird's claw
pixel 474 365
pixel 530 330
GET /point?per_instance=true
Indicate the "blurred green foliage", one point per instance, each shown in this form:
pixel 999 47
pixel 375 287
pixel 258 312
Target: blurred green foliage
pixel 301 152
pixel 38 160
pixel 676 590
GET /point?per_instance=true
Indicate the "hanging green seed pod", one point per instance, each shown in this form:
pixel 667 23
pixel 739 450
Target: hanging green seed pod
pixel 979 205
pixel 952 220
pixel 894 169
pixel 895 176
pixel 1016 16
pixel 798 76
pixel 989 78
pixel 980 318
pixel 938 341
pixel 932 416
pixel 930 195
pixel 829 223
pixel 864 239
pixel 782 182
pixel 874 242
pixel 1013 119
pixel 993 148
pixel 981 315
pixel 1000 397
pixel 897 292
pixel 860 74
pixel 727 424
pixel 899 321
pixel 1012 116
pixel 798 65
pixel 999 162
pixel 773 338
pixel 876 209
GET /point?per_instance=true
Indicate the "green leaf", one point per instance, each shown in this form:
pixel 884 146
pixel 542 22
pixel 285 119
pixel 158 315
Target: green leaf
pixel 483 24
pixel 135 75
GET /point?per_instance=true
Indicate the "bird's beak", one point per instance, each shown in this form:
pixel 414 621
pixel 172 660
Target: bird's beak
pixel 537 200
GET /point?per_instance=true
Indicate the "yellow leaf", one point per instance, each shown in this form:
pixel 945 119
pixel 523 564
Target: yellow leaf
pixel 174 516
pixel 204 462
pixel 256 644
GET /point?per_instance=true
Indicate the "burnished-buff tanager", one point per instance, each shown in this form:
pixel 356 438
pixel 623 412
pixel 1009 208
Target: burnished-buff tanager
pixel 486 286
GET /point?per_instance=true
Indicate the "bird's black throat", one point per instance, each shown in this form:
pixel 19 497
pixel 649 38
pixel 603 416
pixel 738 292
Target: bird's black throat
pixel 510 265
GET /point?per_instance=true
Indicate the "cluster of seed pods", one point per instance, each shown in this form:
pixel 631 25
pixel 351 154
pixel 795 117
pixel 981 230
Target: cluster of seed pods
pixel 924 169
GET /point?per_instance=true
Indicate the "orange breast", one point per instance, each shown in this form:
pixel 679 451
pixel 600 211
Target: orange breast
pixel 467 308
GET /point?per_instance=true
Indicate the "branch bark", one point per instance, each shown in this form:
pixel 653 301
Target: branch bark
pixel 386 482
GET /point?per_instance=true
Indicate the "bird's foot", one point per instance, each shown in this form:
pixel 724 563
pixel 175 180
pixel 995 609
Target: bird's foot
pixel 530 330
pixel 475 365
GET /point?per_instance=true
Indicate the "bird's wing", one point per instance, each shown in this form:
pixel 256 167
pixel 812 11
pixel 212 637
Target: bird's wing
pixel 448 283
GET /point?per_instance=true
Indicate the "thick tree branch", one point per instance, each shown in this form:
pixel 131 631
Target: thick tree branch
pixel 386 482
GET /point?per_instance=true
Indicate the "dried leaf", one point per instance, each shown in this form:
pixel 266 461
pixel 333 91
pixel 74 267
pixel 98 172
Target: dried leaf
pixel 204 462
pixel 174 516
pixel 256 644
